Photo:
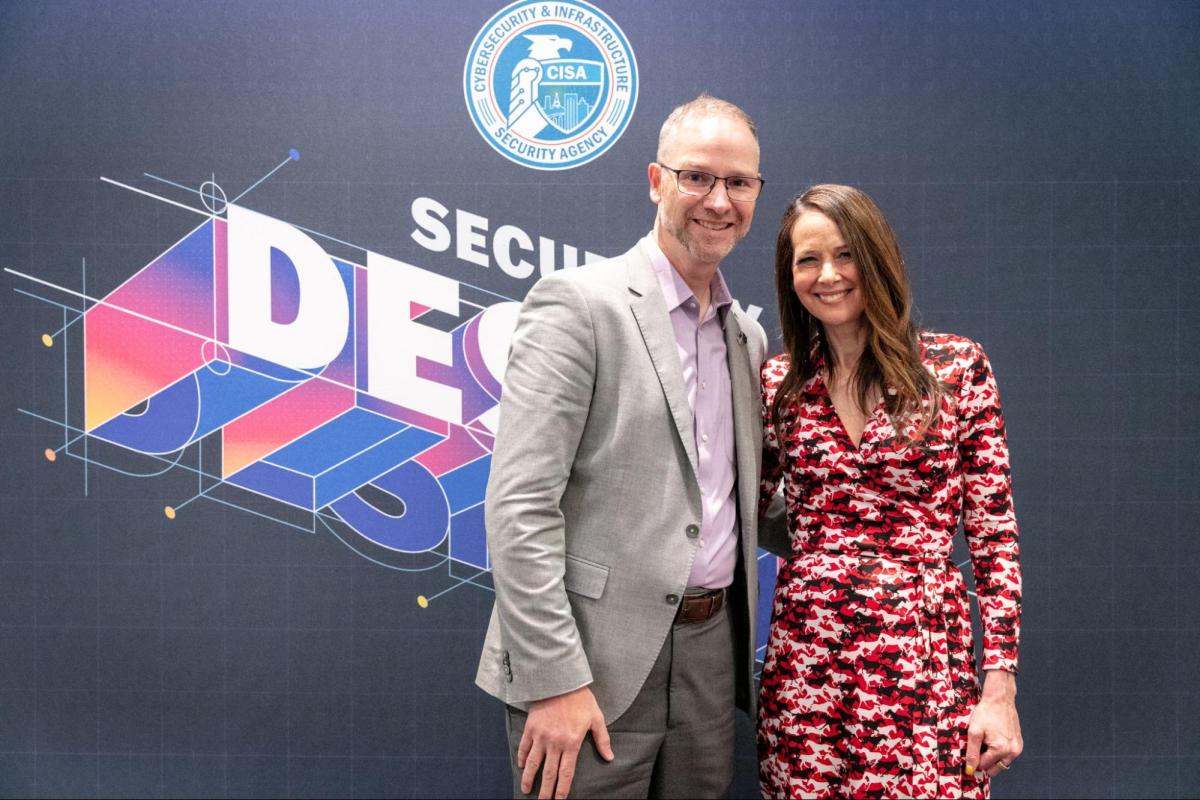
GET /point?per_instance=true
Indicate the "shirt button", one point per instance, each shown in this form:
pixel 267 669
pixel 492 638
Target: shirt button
pixel 704 437
pixel 692 531
pixel 703 384
pixel 672 599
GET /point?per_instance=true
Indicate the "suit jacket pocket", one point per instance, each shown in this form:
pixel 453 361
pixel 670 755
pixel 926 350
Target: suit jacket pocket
pixel 585 577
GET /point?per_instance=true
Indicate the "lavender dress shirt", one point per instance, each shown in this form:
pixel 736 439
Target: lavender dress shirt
pixel 701 344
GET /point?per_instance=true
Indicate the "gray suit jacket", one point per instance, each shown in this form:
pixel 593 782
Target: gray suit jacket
pixel 593 485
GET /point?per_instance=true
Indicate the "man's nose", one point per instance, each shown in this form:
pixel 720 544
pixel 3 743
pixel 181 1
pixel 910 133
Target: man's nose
pixel 718 198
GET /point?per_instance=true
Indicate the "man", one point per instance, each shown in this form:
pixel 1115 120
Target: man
pixel 623 495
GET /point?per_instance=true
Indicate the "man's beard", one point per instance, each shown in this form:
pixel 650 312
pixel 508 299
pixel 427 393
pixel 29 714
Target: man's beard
pixel 695 249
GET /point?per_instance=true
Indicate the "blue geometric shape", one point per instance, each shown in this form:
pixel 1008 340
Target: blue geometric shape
pixel 768 569
pixel 335 441
pixel 468 541
pixel 278 484
pixel 338 457
pixel 424 522
pixel 225 397
pixel 465 486
pixel 190 409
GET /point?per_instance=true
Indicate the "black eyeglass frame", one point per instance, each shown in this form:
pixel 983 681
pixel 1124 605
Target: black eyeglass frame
pixel 761 182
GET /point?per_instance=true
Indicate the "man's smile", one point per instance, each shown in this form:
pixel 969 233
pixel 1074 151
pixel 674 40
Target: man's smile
pixel 712 225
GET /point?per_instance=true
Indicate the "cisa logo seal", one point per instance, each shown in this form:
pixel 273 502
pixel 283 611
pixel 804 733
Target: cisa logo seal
pixel 551 85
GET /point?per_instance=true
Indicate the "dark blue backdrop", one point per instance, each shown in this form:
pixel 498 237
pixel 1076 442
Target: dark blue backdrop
pixel 1039 161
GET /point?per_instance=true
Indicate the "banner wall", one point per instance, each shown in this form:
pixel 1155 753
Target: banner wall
pixel 263 260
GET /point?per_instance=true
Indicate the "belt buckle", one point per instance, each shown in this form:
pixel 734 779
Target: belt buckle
pixel 692 610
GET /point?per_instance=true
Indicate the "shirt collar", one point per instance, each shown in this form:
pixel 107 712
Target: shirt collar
pixel 675 289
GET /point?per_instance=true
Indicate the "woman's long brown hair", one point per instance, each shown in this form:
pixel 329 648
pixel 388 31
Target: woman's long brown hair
pixel 892 355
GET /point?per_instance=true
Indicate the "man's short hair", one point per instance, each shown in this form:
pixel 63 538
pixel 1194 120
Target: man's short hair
pixel 704 104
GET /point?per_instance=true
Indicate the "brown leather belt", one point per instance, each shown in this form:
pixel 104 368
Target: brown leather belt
pixel 701 607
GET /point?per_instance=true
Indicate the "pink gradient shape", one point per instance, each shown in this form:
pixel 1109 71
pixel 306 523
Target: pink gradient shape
pixel 129 359
pixel 451 453
pixel 280 422
pixel 221 278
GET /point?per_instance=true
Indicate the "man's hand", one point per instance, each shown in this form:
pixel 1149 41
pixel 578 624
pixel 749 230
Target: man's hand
pixel 554 732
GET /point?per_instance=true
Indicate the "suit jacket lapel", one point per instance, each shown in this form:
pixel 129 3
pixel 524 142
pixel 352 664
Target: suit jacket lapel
pixel 650 310
pixel 747 442
pixel 746 438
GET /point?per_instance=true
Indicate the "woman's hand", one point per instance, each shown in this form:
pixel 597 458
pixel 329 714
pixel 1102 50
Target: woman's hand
pixel 994 733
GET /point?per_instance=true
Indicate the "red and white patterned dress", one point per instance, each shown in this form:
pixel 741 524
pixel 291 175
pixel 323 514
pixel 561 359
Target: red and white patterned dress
pixel 870 678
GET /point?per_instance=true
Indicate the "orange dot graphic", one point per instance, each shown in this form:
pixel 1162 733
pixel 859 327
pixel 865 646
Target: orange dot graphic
pixel 47 340
pixel 50 454
pixel 170 512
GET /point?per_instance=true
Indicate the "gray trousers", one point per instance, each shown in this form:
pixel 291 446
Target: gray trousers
pixel 676 739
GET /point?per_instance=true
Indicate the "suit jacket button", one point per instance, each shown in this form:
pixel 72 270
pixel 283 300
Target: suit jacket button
pixel 672 599
pixel 692 531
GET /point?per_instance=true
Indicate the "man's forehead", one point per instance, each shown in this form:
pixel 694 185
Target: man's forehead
pixel 702 135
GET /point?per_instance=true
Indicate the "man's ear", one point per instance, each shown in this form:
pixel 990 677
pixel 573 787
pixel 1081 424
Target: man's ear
pixel 654 175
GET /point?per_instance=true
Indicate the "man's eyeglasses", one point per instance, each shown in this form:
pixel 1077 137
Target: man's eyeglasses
pixel 694 182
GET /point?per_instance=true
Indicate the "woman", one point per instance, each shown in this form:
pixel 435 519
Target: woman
pixel 887 437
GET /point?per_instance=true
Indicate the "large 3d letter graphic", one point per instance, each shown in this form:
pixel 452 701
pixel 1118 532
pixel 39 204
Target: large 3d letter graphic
pixel 318 332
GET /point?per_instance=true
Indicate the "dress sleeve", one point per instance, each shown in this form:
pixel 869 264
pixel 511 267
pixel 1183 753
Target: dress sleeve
pixel 772 466
pixel 772 517
pixel 988 519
